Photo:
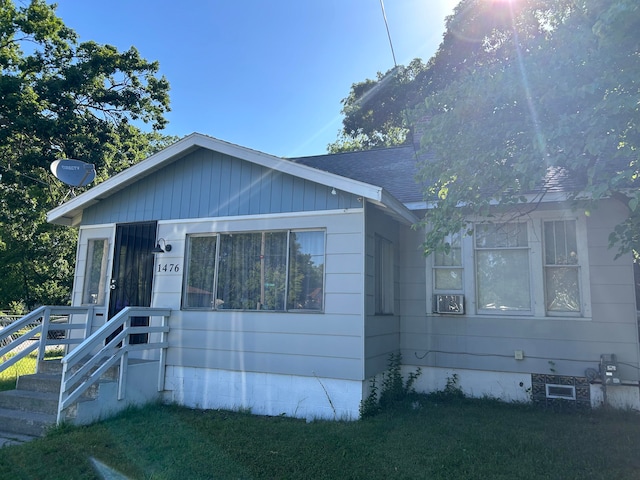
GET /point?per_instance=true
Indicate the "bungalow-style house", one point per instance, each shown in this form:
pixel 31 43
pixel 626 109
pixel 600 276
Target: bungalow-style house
pixel 286 284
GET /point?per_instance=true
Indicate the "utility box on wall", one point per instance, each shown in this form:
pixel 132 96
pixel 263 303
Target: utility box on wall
pixel 609 369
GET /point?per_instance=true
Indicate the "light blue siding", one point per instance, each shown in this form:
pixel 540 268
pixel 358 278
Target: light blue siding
pixel 205 184
pixel 327 344
pixel 382 332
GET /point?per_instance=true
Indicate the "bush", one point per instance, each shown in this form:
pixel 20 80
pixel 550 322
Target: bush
pixel 394 390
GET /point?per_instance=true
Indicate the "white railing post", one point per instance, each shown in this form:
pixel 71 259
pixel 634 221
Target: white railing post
pixel 88 327
pixel 162 364
pixel 85 365
pixel 46 318
pixel 124 360
pixel 61 396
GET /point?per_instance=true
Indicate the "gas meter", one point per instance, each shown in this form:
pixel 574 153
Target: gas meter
pixel 609 369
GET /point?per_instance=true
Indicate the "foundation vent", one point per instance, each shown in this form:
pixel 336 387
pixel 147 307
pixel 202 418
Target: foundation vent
pixel 568 392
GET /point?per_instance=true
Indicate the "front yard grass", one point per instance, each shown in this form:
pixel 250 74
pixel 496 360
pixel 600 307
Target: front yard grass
pixel 432 438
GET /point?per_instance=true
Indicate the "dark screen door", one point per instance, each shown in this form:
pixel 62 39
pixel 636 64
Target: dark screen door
pixel 132 274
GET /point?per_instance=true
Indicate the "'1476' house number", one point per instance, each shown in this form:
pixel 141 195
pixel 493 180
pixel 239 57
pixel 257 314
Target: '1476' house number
pixel 168 268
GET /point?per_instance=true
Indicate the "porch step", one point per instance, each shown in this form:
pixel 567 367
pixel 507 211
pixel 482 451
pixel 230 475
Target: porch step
pixel 31 408
pixel 55 367
pixel 40 382
pixel 30 401
pixel 33 424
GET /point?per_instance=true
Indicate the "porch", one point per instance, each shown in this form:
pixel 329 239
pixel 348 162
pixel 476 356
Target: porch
pixel 101 372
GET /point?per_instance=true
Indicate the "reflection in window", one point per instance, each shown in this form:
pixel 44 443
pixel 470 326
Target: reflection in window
pixel 251 272
pixel 561 267
pixel 276 270
pixel 502 267
pixel 95 274
pixel 201 252
pixel 447 265
pixel 306 270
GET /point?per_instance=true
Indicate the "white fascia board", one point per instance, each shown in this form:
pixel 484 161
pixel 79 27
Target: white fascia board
pixel 550 197
pixel 398 208
pixel 65 213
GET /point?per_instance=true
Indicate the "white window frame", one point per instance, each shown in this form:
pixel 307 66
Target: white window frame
pixel 217 305
pixel 443 262
pixel 535 226
pixel 574 266
pixel 95 294
pixel 525 249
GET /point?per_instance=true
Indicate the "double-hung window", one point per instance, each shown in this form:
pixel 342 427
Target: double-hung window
pixel 502 267
pixel 447 266
pixel 561 267
pixel 516 268
pixel 270 270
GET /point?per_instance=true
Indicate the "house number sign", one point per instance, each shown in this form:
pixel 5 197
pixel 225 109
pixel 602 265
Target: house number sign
pixel 168 268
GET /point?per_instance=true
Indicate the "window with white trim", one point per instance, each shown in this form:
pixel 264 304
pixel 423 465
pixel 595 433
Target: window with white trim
pixel 502 267
pixel 270 270
pixel 447 266
pixel 534 267
pixel 561 266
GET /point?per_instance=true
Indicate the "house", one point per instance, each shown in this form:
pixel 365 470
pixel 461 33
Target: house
pixel 291 281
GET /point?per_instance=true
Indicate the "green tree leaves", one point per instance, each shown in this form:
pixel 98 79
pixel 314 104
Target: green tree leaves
pixel 61 99
pixel 564 102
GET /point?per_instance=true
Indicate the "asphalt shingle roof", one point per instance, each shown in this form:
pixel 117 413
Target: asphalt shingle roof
pixel 395 168
pixel 392 168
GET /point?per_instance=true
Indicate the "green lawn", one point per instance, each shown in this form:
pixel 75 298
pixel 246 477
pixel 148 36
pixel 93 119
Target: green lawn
pixel 23 367
pixel 437 438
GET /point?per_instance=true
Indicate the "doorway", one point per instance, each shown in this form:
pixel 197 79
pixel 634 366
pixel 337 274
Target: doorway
pixel 132 274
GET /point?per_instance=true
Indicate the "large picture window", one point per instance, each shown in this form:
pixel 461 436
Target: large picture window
pixel 272 270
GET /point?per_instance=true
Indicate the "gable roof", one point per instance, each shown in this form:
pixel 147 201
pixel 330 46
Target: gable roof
pixel 70 212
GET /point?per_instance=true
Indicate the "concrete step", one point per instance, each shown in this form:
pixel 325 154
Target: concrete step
pixel 30 401
pixel 50 366
pixel 40 382
pixel 26 423
pixel 11 438
pixel 55 367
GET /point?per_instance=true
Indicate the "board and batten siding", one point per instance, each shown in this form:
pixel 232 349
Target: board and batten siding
pixel 205 184
pixel 323 345
pixel 382 332
pixel 563 345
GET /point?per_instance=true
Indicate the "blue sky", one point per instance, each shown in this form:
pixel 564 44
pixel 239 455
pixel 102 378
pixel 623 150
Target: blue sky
pixel 265 74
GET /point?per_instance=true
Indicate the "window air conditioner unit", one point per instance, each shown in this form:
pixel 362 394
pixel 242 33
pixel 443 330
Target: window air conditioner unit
pixel 450 304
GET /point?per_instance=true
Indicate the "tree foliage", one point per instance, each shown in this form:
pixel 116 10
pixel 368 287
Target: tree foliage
pixel 564 100
pixel 374 111
pixel 478 33
pixel 61 99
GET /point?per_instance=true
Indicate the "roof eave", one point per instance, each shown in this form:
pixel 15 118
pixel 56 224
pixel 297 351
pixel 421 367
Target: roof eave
pixel 70 212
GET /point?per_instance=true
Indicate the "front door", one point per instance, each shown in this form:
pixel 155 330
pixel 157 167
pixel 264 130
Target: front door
pixel 132 273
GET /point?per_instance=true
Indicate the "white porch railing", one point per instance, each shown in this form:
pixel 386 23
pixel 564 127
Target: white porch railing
pixel 45 326
pixel 109 345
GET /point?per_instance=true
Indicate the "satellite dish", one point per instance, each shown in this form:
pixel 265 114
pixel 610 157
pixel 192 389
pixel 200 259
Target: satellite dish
pixel 74 172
